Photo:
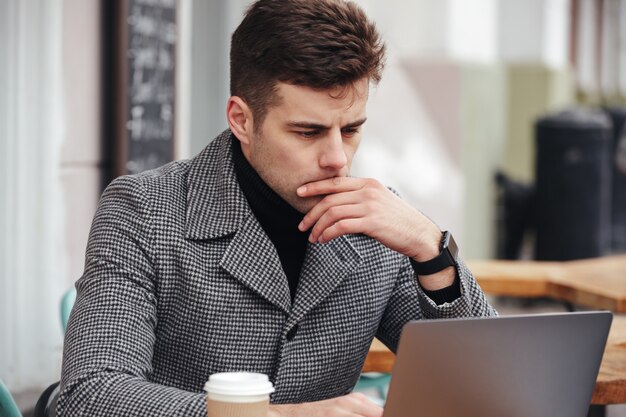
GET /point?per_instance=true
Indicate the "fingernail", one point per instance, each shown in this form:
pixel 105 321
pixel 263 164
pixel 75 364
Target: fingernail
pixel 301 190
pixel 301 227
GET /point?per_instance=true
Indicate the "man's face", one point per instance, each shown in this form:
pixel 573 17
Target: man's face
pixel 309 136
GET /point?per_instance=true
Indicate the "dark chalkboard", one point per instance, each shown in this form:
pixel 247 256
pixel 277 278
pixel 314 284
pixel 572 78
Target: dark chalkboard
pixel 147 87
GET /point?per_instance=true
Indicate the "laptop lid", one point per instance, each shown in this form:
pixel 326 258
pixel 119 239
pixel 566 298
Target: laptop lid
pixel 542 365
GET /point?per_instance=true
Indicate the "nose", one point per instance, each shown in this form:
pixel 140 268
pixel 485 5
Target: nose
pixel 333 155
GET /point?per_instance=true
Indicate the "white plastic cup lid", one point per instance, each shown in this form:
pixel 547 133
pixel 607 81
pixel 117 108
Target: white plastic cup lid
pixel 238 384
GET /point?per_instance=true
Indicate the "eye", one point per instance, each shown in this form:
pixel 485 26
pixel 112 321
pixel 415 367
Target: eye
pixel 350 131
pixel 308 134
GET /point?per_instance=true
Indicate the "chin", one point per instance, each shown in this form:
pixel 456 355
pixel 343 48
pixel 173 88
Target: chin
pixel 304 205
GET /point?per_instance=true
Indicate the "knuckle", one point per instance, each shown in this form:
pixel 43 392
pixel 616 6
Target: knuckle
pixel 334 212
pixel 369 205
pixel 343 401
pixel 371 182
pixel 340 227
pixel 359 396
pixel 370 193
pixel 326 201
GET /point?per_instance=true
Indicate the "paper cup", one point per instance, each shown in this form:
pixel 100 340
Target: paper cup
pixel 238 394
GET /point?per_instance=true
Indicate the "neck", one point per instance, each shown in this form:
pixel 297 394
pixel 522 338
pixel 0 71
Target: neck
pixel 277 218
pixel 270 209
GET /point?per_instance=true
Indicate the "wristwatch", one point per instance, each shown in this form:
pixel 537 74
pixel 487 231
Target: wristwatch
pixel 448 251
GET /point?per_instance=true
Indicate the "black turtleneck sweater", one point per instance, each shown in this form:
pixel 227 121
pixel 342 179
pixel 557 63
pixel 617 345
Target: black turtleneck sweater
pixel 280 222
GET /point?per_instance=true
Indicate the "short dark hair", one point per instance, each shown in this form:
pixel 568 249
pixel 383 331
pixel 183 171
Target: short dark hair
pixel 322 44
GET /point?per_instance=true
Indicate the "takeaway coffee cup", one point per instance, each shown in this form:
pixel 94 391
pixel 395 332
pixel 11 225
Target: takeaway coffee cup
pixel 238 394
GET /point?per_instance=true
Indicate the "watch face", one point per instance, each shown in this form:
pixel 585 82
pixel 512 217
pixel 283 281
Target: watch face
pixel 452 247
pixel 445 259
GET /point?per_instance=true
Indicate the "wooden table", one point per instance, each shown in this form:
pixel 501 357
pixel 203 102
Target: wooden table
pixel 597 283
pixel 610 385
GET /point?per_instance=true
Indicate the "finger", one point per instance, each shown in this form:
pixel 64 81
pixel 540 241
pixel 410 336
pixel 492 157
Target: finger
pixel 342 227
pixel 333 215
pixel 331 186
pixel 374 410
pixel 326 203
pixel 363 406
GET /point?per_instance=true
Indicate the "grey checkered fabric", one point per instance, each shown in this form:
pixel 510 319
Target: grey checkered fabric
pixel 181 282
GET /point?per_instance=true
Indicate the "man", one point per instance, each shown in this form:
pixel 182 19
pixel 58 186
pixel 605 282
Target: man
pixel 261 253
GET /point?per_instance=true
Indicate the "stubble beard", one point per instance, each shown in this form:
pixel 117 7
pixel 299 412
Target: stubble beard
pixel 262 164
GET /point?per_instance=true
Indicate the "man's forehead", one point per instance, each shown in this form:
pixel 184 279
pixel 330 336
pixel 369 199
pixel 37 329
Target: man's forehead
pixel 350 99
pixel 353 91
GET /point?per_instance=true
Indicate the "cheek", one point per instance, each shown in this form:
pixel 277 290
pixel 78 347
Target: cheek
pixel 298 162
pixel 350 150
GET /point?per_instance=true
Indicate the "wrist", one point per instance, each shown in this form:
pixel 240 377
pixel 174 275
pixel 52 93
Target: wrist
pixel 429 246
pixel 282 410
pixel 439 280
pixel 446 257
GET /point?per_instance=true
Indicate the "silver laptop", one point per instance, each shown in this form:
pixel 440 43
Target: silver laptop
pixel 542 365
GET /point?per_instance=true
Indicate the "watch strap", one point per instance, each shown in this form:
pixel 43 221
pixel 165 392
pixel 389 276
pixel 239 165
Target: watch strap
pixel 446 258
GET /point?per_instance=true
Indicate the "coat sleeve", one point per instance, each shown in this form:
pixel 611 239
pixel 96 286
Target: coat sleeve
pixel 107 357
pixel 409 302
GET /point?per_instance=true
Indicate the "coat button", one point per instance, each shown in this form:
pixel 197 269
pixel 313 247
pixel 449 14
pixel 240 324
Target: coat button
pixel 292 333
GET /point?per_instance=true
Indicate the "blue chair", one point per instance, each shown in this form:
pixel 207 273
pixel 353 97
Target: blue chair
pixel 374 381
pixel 8 408
pixel 47 403
pixel 67 302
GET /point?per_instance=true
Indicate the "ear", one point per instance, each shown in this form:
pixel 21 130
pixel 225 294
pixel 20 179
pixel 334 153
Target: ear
pixel 240 119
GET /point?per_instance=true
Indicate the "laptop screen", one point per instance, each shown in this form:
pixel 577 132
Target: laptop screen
pixel 542 365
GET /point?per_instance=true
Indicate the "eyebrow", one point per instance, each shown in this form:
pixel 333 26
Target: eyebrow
pixel 317 126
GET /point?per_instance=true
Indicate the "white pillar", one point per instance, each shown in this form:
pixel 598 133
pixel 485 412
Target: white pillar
pixel 183 80
pixel 611 45
pixel 534 31
pixel 434 131
pixel 587 47
pixel 31 226
pixel 622 49
pixel 462 30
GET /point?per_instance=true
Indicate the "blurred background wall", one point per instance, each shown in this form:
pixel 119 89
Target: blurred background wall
pixel 464 83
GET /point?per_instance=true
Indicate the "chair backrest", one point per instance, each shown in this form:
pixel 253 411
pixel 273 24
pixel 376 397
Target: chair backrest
pixel 67 302
pixel 47 403
pixel 8 408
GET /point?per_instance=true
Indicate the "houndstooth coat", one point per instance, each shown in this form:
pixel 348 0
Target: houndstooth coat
pixel 181 282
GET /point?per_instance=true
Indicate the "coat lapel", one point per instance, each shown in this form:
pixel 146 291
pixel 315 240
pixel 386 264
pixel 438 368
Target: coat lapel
pixel 216 207
pixel 253 260
pixel 325 266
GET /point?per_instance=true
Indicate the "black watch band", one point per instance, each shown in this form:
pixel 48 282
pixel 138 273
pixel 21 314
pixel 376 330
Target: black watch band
pixel 447 257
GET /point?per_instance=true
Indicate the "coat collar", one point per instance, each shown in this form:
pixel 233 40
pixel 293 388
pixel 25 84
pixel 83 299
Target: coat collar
pixel 325 267
pixel 216 207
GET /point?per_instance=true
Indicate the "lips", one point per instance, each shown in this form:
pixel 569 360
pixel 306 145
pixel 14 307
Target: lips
pixel 324 178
